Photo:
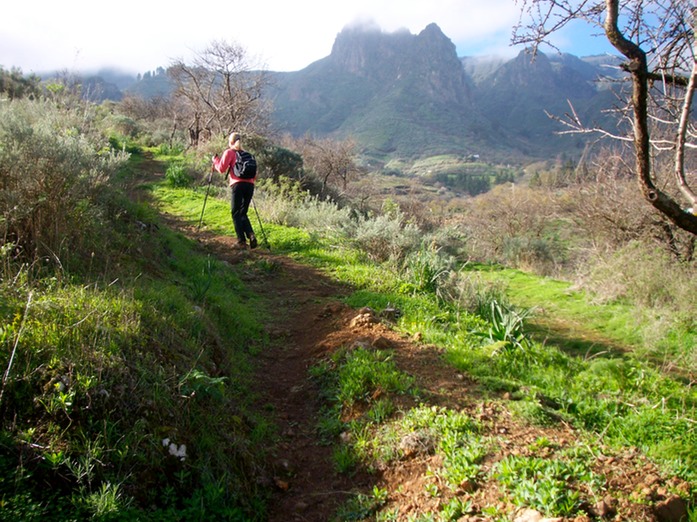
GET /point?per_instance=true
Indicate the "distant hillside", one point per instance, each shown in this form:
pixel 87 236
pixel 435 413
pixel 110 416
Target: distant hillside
pixel 514 95
pixel 409 96
pixel 398 95
pixel 151 84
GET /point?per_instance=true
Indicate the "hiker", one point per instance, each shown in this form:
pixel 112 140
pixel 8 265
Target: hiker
pixel 241 188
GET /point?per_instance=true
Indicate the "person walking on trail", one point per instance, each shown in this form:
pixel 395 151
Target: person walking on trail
pixel 241 183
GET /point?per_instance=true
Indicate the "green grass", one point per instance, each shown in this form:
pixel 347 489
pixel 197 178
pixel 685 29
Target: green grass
pixel 108 368
pixel 570 318
pixel 576 364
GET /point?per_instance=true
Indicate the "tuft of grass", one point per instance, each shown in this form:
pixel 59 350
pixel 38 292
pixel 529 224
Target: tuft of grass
pixel 360 375
pixel 552 487
pixel 362 505
pixel 176 175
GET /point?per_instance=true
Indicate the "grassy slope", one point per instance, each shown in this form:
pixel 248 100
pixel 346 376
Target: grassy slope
pixel 584 368
pixel 109 365
pixel 574 320
pixel 157 319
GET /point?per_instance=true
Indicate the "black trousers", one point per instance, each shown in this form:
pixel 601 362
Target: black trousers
pixel 240 198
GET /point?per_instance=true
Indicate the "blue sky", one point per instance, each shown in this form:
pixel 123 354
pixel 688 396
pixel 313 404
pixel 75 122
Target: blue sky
pixel 79 35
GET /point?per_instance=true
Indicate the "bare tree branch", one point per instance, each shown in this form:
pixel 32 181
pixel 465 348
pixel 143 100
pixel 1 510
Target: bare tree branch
pixel 657 38
pixel 222 91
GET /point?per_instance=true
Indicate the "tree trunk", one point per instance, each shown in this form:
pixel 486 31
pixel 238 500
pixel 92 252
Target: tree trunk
pixel 638 69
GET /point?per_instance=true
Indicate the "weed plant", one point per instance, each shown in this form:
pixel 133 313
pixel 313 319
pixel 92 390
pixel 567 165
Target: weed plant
pixel 552 487
pixel 177 176
pixel 507 326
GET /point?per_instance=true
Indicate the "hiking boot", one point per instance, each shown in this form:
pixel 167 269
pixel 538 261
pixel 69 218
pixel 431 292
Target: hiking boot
pixel 252 241
pixel 241 245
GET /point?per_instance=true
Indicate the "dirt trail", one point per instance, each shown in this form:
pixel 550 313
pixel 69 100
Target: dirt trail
pixel 308 321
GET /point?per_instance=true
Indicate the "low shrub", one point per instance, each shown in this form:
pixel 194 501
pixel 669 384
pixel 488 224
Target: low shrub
pixel 177 176
pixel 55 167
pixel 470 292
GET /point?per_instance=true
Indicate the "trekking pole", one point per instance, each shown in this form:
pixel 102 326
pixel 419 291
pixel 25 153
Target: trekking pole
pixel 210 179
pixel 266 240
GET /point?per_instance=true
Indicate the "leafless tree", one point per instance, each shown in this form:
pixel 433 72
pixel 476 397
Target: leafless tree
pixel 152 109
pixel 221 91
pixel 330 161
pixel 657 39
pixel 159 111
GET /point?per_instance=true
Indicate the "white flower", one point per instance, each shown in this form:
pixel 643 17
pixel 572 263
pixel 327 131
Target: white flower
pixel 179 452
pixel 174 450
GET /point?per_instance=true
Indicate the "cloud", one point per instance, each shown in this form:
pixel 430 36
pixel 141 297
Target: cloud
pixel 139 36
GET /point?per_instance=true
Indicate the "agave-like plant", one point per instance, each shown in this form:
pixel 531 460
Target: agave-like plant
pixel 507 326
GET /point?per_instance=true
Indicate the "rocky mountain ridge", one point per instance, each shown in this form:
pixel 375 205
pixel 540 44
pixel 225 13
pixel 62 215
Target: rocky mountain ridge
pixel 410 95
pixel 401 95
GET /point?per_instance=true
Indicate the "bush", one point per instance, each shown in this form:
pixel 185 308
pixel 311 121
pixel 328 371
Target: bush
pixel 177 176
pixel 54 167
pixel 645 275
pixel 472 294
pixel 521 228
pixel 286 204
pixel 387 237
pixel 539 255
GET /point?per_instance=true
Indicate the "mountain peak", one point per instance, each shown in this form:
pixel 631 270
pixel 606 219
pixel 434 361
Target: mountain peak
pixel 432 30
pixel 360 48
pixel 390 90
pixel 364 49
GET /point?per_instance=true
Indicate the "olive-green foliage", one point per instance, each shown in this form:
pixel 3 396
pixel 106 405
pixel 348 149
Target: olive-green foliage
pixel 278 163
pixel 14 84
pixel 285 203
pixel 626 400
pixel 386 237
pixel 54 166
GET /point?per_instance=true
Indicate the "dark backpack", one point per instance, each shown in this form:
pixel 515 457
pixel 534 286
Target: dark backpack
pixel 245 165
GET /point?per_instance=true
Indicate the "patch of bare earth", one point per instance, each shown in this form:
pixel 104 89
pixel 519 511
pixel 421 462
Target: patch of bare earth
pixel 306 322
